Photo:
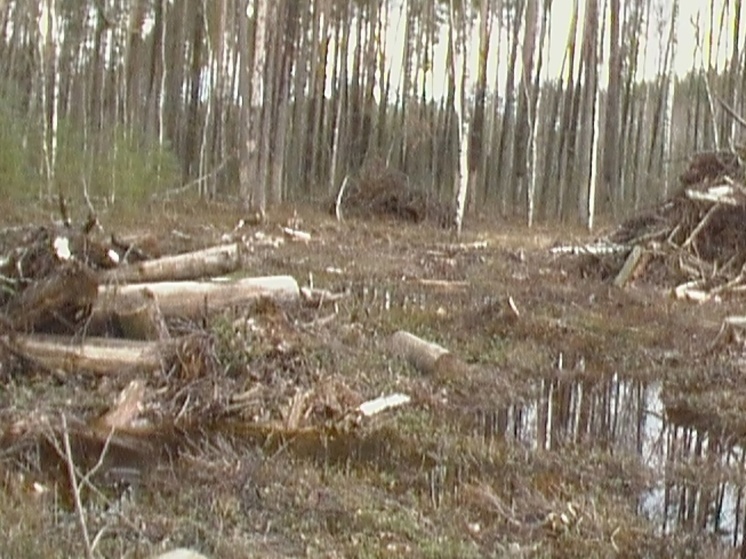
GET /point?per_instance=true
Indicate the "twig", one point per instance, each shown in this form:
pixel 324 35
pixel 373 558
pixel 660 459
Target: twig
pixel 731 111
pixel 75 488
pixel 178 190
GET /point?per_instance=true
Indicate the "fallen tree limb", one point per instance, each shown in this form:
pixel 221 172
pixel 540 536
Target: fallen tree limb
pixel 213 261
pixel 97 355
pixel 631 265
pixel 192 298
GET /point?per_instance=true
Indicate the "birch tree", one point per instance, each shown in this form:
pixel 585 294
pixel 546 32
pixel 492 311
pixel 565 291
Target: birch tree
pixel 50 53
pixel 457 69
pixel 534 110
pixel 588 121
pixel 668 94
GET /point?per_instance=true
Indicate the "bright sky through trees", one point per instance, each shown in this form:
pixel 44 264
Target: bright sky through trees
pixel 692 14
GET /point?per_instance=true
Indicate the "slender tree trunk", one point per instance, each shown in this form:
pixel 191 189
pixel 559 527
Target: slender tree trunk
pixel 477 136
pixel 406 66
pixel 534 112
pixel 566 148
pixel 317 140
pixel 286 54
pixel 525 102
pixel 258 86
pixel 589 59
pixel 246 143
pixel 49 46
pixel 505 152
pixel 670 91
pixel 462 179
pixel 338 131
pixel 611 142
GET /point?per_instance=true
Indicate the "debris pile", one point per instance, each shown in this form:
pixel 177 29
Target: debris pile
pixel 381 191
pixel 179 346
pixel 694 243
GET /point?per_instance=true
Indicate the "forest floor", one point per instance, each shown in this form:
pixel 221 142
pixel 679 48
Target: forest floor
pixel 572 433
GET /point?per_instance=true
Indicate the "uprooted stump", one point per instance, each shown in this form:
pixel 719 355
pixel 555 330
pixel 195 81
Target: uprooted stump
pixel 385 192
pixel 62 299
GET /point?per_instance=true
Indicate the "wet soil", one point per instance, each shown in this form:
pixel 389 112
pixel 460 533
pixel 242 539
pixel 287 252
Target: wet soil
pixel 593 421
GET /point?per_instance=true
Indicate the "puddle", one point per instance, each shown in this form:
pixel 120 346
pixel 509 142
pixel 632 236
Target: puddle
pixel 697 479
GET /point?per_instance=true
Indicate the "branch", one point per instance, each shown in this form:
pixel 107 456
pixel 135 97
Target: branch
pixel 731 111
pixel 178 190
pixel 71 471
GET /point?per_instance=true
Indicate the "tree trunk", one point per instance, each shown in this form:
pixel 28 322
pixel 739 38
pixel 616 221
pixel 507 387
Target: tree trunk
pixel 525 102
pixel 477 128
pixel 505 152
pixel 246 143
pixel 462 127
pixel 611 142
pixel 585 141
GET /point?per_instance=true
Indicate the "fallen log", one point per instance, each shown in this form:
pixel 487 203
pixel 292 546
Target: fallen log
pixel 192 298
pixel 97 355
pixel 213 261
pixel 427 357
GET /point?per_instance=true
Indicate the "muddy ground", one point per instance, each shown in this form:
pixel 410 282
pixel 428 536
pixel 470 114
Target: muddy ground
pixel 592 422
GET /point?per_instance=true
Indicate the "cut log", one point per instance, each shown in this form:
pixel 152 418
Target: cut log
pixel 427 357
pixel 57 298
pixel 97 355
pixel 142 320
pixel 191 298
pixel 223 259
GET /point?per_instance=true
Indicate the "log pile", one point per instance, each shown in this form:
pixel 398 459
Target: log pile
pixel 694 243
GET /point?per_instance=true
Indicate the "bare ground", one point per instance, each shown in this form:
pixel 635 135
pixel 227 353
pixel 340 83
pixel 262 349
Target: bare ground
pixel 593 422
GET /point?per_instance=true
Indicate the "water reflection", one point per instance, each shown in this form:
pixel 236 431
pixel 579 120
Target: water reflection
pixel 697 476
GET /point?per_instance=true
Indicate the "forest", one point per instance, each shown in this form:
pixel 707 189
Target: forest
pixel 268 102
pixel 372 278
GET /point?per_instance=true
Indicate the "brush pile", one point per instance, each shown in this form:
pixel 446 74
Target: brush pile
pixel 694 243
pixel 381 191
